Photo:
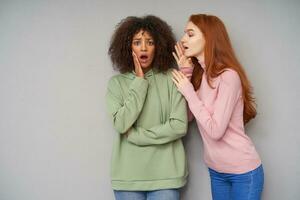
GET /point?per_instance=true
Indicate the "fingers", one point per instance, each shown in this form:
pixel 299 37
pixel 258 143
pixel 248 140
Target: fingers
pixel 137 66
pixel 181 75
pixel 176 76
pixel 178 55
pixel 135 60
pixel 176 82
pixel 176 58
pixel 178 51
pixel 181 48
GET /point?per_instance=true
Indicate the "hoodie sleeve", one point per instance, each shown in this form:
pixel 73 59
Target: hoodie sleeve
pixel 174 128
pixel 125 111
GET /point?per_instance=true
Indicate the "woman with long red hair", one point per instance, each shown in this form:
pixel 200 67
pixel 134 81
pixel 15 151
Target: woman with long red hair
pixel 219 97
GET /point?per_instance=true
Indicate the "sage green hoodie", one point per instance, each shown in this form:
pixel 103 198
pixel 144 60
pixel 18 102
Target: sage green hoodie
pixel 150 117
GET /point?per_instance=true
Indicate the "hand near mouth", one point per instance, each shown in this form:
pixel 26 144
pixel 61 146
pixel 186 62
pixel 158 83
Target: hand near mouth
pixel 137 66
pixel 181 59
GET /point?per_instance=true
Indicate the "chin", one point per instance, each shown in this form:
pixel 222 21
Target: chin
pixel 145 66
pixel 188 55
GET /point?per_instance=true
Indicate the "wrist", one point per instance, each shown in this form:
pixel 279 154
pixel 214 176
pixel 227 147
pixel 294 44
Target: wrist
pixel 186 89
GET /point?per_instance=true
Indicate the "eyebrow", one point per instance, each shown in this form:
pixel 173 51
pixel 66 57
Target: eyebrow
pixel 187 30
pixel 141 38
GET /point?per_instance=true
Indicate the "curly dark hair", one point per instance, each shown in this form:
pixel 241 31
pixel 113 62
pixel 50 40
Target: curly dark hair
pixel 120 50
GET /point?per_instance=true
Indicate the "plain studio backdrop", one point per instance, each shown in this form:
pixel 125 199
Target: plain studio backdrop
pixel 55 134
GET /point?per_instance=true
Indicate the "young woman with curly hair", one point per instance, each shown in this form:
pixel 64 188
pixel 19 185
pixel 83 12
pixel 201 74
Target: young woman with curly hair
pixel 219 97
pixel 147 111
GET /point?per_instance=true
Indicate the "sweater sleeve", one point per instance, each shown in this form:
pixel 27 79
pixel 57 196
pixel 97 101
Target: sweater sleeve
pixel 174 128
pixel 187 71
pixel 216 123
pixel 124 112
pixel 190 114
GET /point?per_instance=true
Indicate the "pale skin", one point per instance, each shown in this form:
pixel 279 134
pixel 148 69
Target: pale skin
pixel 191 45
pixel 182 61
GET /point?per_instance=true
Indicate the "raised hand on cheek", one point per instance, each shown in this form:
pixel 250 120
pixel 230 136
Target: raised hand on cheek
pixel 181 59
pixel 137 66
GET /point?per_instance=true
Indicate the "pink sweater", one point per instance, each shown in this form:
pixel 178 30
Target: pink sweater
pixel 219 116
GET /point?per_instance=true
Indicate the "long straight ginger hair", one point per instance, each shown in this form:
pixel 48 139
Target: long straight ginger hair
pixel 219 56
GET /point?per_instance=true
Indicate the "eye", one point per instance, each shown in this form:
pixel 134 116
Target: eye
pixel 190 34
pixel 150 43
pixel 136 42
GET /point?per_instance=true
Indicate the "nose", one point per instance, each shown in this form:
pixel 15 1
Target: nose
pixel 182 39
pixel 144 46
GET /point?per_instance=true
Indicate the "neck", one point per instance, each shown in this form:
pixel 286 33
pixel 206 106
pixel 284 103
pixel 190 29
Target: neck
pixel 200 58
pixel 145 70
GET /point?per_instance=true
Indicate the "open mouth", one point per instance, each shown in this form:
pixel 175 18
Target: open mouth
pixel 143 58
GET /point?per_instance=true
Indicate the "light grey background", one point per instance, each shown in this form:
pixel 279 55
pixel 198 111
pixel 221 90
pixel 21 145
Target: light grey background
pixel 55 136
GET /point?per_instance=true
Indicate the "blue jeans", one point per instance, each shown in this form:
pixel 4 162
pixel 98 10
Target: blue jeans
pixel 246 186
pixel 168 194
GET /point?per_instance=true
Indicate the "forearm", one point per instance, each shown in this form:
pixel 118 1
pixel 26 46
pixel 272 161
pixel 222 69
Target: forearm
pixel 124 112
pixel 207 121
pixel 215 121
pixel 161 134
